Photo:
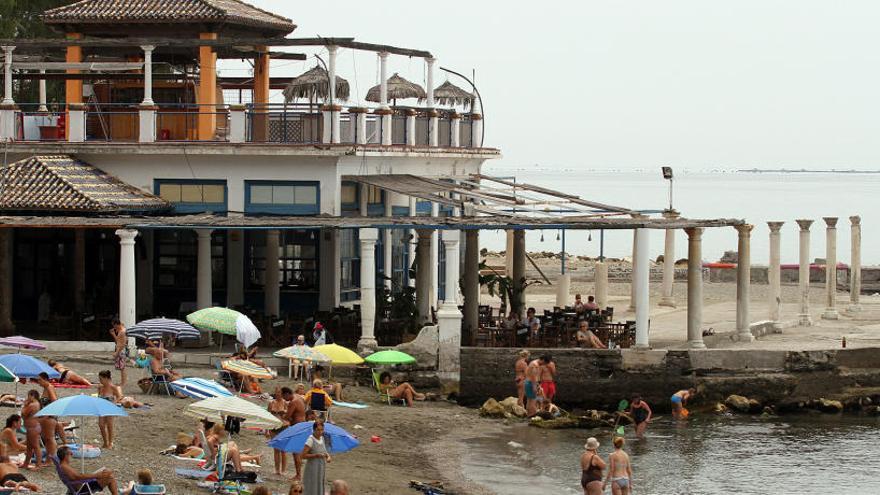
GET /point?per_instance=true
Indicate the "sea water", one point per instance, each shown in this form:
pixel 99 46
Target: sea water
pixel 754 197
pixel 706 455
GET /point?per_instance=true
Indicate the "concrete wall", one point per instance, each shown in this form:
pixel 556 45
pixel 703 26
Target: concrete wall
pixel 599 379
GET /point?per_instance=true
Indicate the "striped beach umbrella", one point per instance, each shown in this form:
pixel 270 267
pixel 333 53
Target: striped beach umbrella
pixel 22 342
pixel 220 408
pixel 247 368
pixel 157 328
pixel 301 353
pixel 199 388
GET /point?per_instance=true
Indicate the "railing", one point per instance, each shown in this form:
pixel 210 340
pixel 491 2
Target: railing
pixel 182 122
pixel 296 124
pixel 112 123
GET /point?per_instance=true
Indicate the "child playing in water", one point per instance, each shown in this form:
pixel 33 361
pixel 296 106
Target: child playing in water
pixel 679 399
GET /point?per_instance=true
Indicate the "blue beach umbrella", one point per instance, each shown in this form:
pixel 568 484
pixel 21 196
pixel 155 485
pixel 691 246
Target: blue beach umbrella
pixel 82 406
pixel 24 366
pixel 293 439
pixel 199 388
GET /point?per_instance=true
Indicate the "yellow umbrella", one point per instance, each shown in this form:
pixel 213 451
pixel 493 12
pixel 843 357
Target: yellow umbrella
pixel 339 356
pixel 247 368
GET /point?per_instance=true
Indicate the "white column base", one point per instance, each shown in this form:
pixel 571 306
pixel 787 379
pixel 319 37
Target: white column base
pixel 696 344
pixel 7 124
pixel 367 346
pixel 237 125
pixel 563 290
pixel 667 302
pixel 854 308
pixel 744 337
pixel 830 314
pixel 449 326
pixel 76 126
pixel 805 320
pixel 147 130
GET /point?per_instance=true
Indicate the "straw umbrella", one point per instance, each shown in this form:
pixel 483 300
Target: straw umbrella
pixel 398 89
pixel 450 94
pixel 315 84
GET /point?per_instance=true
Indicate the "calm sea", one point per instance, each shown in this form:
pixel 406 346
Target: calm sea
pixel 755 197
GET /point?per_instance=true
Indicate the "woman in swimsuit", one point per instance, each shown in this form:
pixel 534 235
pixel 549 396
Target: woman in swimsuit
pixel 679 399
pixel 641 414
pixel 403 391
pixel 278 408
pixel 591 468
pixel 620 470
pixel 522 364
pixel 32 427
pixel 9 437
pixel 189 452
pixel 68 376
pixel 113 393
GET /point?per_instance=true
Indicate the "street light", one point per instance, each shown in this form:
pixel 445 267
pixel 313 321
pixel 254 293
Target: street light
pixel 667 174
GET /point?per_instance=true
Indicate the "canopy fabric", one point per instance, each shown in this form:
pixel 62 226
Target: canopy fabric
pixel 82 405
pixel 246 332
pixel 7 376
pixel 293 439
pixel 339 356
pixel 226 321
pixel 301 353
pixel 398 89
pixel 313 85
pixel 390 358
pixel 247 368
pixel 156 328
pixel 22 342
pixel 218 408
pixel 450 94
pixel 199 388
pixel 25 366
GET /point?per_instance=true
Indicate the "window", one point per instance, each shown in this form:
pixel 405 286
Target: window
pixel 297 260
pixel 349 196
pixel 350 273
pixel 193 196
pixel 282 198
pixel 399 259
pixel 177 259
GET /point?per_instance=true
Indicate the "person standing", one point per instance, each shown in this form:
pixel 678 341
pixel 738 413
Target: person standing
pixel 296 413
pixel 641 414
pixel 49 425
pixel 679 400
pixel 592 466
pixel 278 408
pixel 619 470
pixel 533 386
pixel 316 456
pixel 120 354
pixel 548 384
pixel 32 429
pixel 520 368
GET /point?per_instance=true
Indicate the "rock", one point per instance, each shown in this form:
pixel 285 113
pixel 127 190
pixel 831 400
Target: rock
pixel 738 403
pixel 872 410
pixel 519 411
pixel 754 406
pixel 829 406
pixel 564 423
pixel 512 408
pixel 492 409
pixel 720 408
pixel 768 411
pixel 425 347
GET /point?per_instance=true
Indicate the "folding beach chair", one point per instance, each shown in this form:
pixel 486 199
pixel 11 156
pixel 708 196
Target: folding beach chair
pixel 160 382
pixel 383 396
pixel 229 481
pixel 76 487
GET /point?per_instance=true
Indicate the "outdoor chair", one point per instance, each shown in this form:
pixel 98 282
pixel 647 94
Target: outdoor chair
pixel 383 396
pixel 75 487
pixel 160 382
pixel 224 377
pixel 229 481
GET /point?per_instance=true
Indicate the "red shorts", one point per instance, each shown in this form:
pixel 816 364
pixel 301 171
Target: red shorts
pixel 549 389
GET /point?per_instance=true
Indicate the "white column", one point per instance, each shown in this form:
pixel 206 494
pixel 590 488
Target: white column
pixel 146 124
pixel 7 75
pixel 334 115
pixel 326 123
pixel 669 263
pixel 76 128
pixel 360 125
pixel 477 131
pixel 563 289
pixel 237 124
pixel 387 258
pixel 455 131
pixel 383 80
pixel 830 269
pixel 641 279
pixel 451 240
pixel 148 75
pixel 430 89
pixel 635 267
pixel 435 259
pixel 368 238
pixel 127 281
pixel 774 275
pixel 413 241
pixel 272 287
pixel 743 283
pixel 411 128
pixel 43 99
pixel 695 288
pixel 423 275
pixel 204 296
pixel 855 274
pixel 448 316
pixel 600 276
pixel 804 318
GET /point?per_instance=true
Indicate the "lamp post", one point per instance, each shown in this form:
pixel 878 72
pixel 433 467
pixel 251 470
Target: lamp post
pixel 667 174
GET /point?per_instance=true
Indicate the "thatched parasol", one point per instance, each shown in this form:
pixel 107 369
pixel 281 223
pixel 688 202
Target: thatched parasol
pixel 314 85
pixel 398 89
pixel 450 94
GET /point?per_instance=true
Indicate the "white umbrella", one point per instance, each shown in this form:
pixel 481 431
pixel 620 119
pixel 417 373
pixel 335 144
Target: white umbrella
pixel 219 408
pixel 246 332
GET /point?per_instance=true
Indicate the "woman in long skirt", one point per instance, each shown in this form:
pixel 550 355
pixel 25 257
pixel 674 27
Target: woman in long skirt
pixel 316 457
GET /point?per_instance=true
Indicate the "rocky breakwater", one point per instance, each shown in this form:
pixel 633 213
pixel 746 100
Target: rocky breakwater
pixel 854 402
pixel 508 409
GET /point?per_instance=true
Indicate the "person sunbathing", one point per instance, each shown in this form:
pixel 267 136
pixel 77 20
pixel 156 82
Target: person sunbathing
pixel 9 436
pixel 189 451
pixel 101 479
pixel 234 455
pixel 113 393
pixel 11 477
pixel 403 391
pixel 68 376
pixel 144 479
pixel 10 400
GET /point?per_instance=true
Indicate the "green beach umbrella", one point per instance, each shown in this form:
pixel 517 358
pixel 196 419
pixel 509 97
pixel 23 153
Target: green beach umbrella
pixel 7 376
pixel 390 358
pixel 220 320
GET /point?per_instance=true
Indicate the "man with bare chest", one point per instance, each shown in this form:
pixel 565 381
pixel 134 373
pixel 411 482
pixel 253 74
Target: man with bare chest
pixel 296 413
pixel 533 386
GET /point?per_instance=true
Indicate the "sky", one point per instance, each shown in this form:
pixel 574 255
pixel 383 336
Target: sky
pixel 701 84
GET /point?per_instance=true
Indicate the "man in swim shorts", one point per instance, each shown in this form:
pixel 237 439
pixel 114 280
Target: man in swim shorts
pixel 533 386
pixel 548 386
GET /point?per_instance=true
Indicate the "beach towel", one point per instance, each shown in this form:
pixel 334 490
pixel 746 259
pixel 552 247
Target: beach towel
pixel 350 405
pixel 193 474
pixel 86 451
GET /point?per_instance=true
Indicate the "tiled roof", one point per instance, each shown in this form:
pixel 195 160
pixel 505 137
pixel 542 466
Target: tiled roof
pixel 168 11
pixel 63 183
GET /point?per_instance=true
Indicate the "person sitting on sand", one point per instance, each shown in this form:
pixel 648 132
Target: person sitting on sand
pixel 641 414
pixel 102 478
pixel 587 339
pixel 679 400
pixel 522 364
pixel 68 376
pixel 619 470
pixel 11 477
pixel 234 456
pixel 144 479
pixel 403 391
pixel 332 388
pixel 592 466
pixel 113 393
pixel 9 436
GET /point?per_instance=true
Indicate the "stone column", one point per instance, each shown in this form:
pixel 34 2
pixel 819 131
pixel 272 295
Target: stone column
pixel 804 318
pixel 7 76
pixel 641 280
pixel 743 283
pixel 148 75
pixel 455 130
pixel 127 282
pixel 413 241
pixel 272 287
pixel 384 112
pixel 368 238
pixel 519 271
pixel 448 316
pixel 774 275
pixel 632 280
pixel 7 327
pixel 695 288
pixel 42 92
pixel 79 270
pixel 204 290
pixel 830 269
pixel 472 281
pixel 855 274
pixel 669 263
pixel 600 276
pixel 334 115
pixel 423 275
pixel 435 260
pixel 411 127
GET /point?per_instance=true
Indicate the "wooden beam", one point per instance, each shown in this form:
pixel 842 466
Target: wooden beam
pixel 558 194
pixel 56 76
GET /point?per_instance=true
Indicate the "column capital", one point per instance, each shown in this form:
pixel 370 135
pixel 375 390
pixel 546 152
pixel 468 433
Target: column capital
pixel 856 220
pixel 332 49
pixel 830 222
pixel 148 48
pixel 775 226
pixel 126 236
pixel 8 48
pixel 368 235
pixel 694 233
pixel 671 214
pixel 425 234
pixel 804 224
pixel 383 55
pixel 745 229
pixel 450 236
pixel 204 233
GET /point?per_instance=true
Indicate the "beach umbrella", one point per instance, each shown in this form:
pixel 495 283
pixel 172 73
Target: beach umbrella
pixel 339 356
pixel 314 85
pixel 217 409
pixel 22 342
pixel 389 358
pixel 247 368
pixel 7 376
pixel 82 406
pixel 226 322
pixel 199 388
pixel 24 366
pixel 301 353
pixel 450 94
pixel 398 89
pixel 293 439
pixel 156 328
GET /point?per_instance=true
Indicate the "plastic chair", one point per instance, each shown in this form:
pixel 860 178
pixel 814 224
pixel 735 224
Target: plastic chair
pixel 384 396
